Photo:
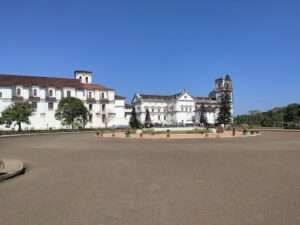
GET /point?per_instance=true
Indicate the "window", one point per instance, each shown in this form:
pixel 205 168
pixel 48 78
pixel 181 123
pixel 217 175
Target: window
pixel 34 106
pixel 50 106
pixel 103 118
pixel 103 107
pixel 182 108
pixel 68 93
pixel 18 91
pixel 165 117
pixel 102 95
pixel 80 78
pixel 90 94
pixel 90 117
pixel 90 107
pixel 153 109
pixel 34 92
pixel 158 109
pixel 158 117
pixel 0 94
pixel 50 93
pixel 86 80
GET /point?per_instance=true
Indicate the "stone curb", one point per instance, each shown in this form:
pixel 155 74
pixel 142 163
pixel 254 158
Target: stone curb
pixel 11 168
pixel 38 134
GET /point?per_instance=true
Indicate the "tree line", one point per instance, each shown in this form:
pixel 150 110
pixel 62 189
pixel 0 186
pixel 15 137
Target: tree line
pixel 286 117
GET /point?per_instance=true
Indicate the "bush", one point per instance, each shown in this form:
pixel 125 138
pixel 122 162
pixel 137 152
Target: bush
pixel 168 133
pixel 245 131
pixel 127 133
pixel 252 132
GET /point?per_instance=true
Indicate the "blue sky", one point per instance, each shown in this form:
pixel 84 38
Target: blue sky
pixel 160 46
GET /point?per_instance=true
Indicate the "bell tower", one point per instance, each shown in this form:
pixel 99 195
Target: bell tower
pixel 84 76
pixel 223 85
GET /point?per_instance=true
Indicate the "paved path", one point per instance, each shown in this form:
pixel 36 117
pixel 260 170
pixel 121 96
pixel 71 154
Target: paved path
pixel 10 168
pixel 78 179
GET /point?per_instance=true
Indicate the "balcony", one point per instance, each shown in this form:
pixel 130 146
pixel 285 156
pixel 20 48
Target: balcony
pixel 91 100
pixel 34 99
pixel 18 98
pixel 50 99
pixel 104 100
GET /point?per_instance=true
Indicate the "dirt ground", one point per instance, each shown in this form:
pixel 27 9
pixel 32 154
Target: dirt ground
pixel 80 179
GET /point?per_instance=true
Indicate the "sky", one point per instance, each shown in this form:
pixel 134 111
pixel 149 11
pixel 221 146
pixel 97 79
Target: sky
pixel 160 46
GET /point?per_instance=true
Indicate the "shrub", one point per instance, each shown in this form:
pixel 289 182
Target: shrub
pixel 168 133
pixel 233 131
pixel 127 133
pixel 141 134
pixel 252 132
pixel 245 131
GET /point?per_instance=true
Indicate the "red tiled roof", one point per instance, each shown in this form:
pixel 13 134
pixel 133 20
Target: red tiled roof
pixel 95 87
pixel 24 80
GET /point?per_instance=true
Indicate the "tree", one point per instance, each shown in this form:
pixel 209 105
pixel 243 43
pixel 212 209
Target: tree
pixel 292 116
pixel 17 113
pixel 71 111
pixel 203 118
pixel 134 122
pixel 224 116
pixel 148 122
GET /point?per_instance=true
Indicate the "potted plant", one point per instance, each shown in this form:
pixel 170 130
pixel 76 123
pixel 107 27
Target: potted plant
pixel 168 133
pixel 127 133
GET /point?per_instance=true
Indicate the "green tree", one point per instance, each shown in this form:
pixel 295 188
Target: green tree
pixel 72 111
pixel 148 122
pixel 203 118
pixel 225 116
pixel 17 113
pixel 134 122
pixel 292 116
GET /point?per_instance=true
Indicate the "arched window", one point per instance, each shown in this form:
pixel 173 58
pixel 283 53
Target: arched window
pixel 80 78
pixel 50 93
pixel 86 80
pixel 34 92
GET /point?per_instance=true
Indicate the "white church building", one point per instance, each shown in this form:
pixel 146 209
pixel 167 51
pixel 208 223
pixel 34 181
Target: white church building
pixel 182 109
pixel 106 109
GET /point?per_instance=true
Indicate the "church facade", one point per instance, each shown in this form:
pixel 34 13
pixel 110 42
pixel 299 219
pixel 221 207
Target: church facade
pixel 106 108
pixel 183 109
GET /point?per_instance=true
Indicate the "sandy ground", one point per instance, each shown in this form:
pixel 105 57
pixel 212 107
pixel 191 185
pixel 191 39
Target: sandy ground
pixel 78 179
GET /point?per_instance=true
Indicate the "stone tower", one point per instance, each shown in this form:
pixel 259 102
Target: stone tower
pixel 223 85
pixel 84 76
